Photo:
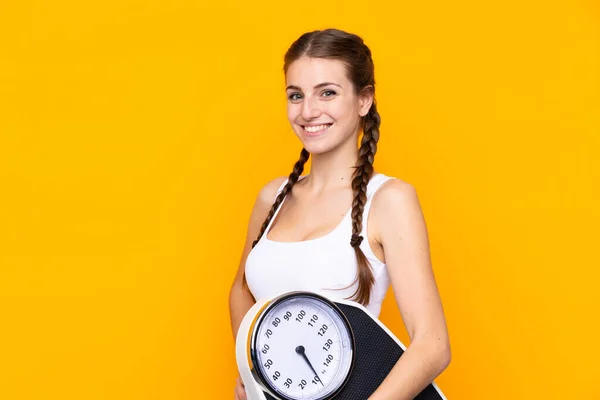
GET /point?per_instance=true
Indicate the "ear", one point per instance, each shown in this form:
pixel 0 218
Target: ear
pixel 365 100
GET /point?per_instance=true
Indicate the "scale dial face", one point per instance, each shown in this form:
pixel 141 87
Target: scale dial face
pixel 302 347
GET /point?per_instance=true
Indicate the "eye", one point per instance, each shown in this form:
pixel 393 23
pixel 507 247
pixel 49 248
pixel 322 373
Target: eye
pixel 333 93
pixel 293 96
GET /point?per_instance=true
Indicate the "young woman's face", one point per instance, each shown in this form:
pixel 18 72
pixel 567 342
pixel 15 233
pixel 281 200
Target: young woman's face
pixel 321 105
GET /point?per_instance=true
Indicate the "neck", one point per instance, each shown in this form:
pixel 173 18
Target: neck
pixel 333 169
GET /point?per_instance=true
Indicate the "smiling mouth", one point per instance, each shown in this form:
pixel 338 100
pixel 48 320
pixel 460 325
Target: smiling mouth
pixel 315 130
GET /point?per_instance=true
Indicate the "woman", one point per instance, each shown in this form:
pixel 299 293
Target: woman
pixel 310 232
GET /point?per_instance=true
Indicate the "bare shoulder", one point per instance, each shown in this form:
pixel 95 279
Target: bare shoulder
pixel 264 201
pixel 267 193
pixel 395 203
pixel 394 192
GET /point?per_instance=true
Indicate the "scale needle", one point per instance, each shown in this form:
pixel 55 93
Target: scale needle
pixel 300 350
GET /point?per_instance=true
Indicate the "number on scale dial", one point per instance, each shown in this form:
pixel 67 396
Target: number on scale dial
pixel 303 347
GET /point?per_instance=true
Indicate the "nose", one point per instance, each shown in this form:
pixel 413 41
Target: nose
pixel 310 108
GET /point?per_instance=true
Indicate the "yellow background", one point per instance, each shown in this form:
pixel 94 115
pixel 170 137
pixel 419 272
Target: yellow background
pixel 136 134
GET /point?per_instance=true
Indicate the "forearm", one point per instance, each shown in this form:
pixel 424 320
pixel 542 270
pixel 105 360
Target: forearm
pixel 240 301
pixel 420 364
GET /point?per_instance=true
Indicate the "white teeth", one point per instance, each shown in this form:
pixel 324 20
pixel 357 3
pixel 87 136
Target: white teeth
pixel 313 129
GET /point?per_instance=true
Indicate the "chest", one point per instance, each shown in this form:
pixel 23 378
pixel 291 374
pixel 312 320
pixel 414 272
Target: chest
pixel 325 263
pixel 305 219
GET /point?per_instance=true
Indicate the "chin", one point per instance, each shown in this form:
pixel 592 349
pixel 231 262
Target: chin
pixel 313 150
pixel 318 148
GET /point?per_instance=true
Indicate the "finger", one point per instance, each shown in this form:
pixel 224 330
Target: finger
pixel 240 393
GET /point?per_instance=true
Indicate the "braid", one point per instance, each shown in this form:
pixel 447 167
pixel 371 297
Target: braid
pixel 360 180
pixel 292 179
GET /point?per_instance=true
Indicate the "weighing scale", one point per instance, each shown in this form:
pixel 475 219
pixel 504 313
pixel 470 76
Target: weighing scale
pixel 302 345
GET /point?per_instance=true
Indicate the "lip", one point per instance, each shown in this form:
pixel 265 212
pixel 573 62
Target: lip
pixel 320 123
pixel 314 134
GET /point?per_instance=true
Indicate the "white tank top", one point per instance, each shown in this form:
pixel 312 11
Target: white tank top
pixel 318 265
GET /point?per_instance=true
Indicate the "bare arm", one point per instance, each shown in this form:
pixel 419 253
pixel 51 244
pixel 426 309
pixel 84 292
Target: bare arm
pixel 402 232
pixel 240 299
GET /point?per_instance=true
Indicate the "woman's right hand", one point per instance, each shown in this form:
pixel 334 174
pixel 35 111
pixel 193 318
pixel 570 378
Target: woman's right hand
pixel 240 392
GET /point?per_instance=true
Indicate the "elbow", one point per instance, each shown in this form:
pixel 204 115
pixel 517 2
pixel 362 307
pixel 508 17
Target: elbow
pixel 446 357
pixel 443 356
pixel 435 352
pixel 438 353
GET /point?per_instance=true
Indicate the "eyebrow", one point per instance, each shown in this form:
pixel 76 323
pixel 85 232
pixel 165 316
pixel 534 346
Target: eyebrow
pixel 316 86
